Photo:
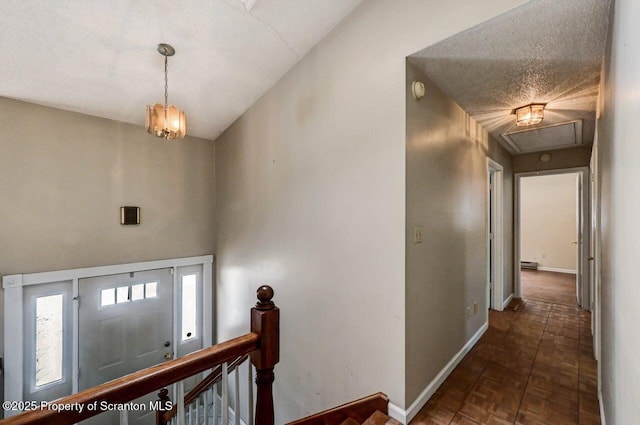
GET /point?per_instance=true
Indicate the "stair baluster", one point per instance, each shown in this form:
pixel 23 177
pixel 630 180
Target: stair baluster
pixel 181 417
pixel 124 417
pixel 236 404
pixel 225 394
pixel 214 393
pixel 207 397
pixel 197 409
pixel 250 406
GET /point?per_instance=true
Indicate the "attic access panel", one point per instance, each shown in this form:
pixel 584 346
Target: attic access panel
pixel 537 139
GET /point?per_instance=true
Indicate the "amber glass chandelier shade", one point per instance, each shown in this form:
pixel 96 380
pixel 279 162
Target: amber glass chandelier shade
pixel 162 119
pixel 529 115
pixel 169 125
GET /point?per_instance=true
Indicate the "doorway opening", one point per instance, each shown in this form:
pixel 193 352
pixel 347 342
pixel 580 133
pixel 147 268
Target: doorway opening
pixel 551 211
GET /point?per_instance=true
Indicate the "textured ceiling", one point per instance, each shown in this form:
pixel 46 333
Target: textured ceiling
pixel 100 58
pixel 545 51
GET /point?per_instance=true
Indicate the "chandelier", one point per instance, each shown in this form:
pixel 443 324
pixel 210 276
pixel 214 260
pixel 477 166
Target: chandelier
pixel 529 115
pixel 164 120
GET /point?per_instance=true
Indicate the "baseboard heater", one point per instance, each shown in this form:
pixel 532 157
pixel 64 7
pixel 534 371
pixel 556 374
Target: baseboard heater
pixel 528 265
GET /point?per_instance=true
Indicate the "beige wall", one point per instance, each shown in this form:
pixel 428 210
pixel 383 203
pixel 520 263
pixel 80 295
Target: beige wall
pixel 447 197
pixel 560 158
pixel 548 221
pixel 310 186
pixel 618 153
pixel 65 176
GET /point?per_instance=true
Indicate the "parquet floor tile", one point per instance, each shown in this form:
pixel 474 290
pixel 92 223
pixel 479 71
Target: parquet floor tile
pixel 533 366
pixel 460 419
pixel 481 409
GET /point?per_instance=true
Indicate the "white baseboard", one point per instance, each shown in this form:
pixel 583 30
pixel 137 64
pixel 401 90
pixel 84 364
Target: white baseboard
pixel 555 269
pixel 405 416
pixel 397 413
pixel 507 301
pixel 603 418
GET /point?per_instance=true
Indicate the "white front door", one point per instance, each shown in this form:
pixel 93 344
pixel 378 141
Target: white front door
pixel 125 325
pixel 50 352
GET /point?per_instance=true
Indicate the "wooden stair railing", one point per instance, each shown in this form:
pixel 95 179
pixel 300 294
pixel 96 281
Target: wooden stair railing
pixel 211 379
pixel 262 344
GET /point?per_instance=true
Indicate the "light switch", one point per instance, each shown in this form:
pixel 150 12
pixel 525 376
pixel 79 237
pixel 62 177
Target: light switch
pixel 417 234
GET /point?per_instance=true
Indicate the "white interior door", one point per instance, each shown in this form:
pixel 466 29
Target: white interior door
pixel 584 240
pixel 125 325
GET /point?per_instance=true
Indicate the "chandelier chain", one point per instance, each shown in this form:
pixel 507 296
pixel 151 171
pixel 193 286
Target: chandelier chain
pixel 167 122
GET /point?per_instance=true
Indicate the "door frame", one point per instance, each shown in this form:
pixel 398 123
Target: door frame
pixel 497 292
pixel 594 260
pixel 14 285
pixel 582 268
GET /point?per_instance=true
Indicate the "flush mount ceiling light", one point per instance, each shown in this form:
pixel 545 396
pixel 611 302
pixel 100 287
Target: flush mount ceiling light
pixel 164 120
pixel 529 115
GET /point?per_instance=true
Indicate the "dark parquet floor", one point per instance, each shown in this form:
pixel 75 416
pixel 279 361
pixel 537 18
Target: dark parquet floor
pixel 557 288
pixel 533 366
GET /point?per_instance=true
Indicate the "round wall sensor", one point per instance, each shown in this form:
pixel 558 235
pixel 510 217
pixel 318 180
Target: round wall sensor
pixel 545 157
pixel 418 90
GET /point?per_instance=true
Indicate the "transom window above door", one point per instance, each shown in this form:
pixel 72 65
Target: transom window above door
pixel 127 293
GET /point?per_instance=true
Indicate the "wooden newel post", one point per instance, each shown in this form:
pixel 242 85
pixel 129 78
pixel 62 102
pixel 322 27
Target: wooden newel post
pixel 165 403
pixel 265 321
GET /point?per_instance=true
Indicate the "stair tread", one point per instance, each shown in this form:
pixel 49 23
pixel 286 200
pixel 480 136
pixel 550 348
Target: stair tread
pixel 350 421
pixel 379 418
pixel 358 410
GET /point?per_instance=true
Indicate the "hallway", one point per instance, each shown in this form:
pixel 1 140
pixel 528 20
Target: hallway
pixel 552 287
pixel 533 366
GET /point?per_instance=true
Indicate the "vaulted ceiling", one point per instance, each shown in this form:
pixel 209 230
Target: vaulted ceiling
pixel 545 51
pixel 100 58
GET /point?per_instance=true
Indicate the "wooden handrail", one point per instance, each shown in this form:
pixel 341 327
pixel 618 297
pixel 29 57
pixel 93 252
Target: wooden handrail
pixel 203 386
pixel 137 384
pixel 262 343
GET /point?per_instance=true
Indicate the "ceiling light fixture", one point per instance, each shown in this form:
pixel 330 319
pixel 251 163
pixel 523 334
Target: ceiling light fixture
pixel 529 115
pixel 164 120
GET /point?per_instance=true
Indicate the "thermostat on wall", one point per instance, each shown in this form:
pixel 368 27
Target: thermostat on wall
pixel 129 215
